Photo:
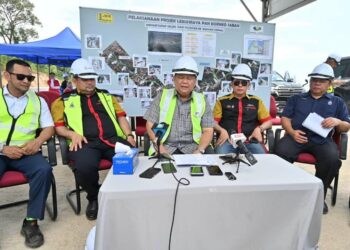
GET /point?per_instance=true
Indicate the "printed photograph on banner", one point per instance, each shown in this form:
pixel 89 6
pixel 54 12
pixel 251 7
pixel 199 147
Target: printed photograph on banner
pixel 154 69
pixel 222 63
pixel 263 80
pixel 236 57
pixel 123 79
pixel 140 61
pixel 93 41
pixel 212 78
pixel 252 85
pixel 145 103
pixel 164 42
pixel 258 46
pixel 265 68
pixel 211 97
pixel 141 72
pixel 98 63
pixel 130 92
pixel 226 87
pixel 254 66
pixel 104 79
pixel 168 79
pixel 144 92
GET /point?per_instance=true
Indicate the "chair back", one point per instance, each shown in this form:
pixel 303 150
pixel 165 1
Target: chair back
pixel 49 96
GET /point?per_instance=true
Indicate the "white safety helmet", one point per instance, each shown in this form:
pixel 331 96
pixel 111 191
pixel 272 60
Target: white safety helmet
pixel 322 71
pixel 186 65
pixel 83 69
pixel 335 57
pixel 242 72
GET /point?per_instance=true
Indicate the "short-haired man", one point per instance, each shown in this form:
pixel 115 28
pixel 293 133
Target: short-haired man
pixel 333 60
pixel 299 139
pixel 92 121
pixel 186 111
pixel 241 113
pixel 22 113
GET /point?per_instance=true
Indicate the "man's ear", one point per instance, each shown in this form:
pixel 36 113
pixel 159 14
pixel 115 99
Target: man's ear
pixel 7 75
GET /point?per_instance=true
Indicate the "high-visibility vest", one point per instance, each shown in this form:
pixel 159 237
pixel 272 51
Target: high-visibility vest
pixel 330 90
pixel 167 109
pixel 23 129
pixel 74 116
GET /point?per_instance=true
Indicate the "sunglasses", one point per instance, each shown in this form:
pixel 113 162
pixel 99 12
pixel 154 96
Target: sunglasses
pixel 243 82
pixel 20 77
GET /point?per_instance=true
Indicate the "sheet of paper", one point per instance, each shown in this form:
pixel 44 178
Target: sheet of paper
pixel 194 160
pixel 313 122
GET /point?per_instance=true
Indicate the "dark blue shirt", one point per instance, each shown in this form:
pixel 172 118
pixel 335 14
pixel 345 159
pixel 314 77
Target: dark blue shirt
pixel 300 106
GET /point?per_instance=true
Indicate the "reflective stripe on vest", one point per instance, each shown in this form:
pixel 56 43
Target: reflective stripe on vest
pixel 167 107
pixel 74 117
pixel 26 124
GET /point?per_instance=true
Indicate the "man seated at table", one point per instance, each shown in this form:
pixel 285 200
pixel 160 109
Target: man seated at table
pixel 93 121
pixel 186 111
pixel 241 113
pixel 299 139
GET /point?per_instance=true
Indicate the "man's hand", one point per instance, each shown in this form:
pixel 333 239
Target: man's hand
pixel 299 137
pixel 13 152
pixel 132 141
pixel 330 122
pixel 223 137
pixel 256 134
pixel 77 141
pixel 31 147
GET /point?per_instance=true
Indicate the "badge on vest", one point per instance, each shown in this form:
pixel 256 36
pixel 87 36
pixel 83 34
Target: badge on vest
pixel 71 105
pixel 197 113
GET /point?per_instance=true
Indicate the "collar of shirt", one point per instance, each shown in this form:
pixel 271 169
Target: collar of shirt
pixel 178 96
pixel 232 95
pixel 326 95
pixel 7 93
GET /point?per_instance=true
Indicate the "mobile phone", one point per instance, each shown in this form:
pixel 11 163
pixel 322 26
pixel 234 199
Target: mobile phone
pixel 230 176
pixel 150 173
pixel 197 171
pixel 214 170
pixel 168 168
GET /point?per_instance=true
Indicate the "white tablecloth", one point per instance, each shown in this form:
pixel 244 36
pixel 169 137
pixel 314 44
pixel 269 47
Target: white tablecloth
pixel 271 205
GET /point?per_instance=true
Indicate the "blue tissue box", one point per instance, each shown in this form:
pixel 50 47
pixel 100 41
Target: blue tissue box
pixel 125 164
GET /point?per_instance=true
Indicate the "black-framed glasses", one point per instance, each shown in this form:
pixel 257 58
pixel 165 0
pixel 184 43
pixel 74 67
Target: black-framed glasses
pixel 20 77
pixel 238 82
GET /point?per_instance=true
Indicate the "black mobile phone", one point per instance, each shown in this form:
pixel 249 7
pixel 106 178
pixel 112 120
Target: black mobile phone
pixel 230 176
pixel 150 173
pixel 197 171
pixel 214 170
pixel 168 168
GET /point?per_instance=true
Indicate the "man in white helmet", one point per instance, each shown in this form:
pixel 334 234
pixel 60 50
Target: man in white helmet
pixel 299 139
pixel 334 60
pixel 92 121
pixel 187 113
pixel 239 112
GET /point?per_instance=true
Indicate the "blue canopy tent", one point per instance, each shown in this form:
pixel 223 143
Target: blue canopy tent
pixel 61 49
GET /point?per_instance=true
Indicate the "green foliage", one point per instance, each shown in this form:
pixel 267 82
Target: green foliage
pixel 17 21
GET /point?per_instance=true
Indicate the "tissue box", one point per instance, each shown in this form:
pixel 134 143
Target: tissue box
pixel 125 163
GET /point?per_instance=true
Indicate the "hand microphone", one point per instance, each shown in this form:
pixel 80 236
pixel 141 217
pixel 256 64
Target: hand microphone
pixel 238 142
pixel 159 129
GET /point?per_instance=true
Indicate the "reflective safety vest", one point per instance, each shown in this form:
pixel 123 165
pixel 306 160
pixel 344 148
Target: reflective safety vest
pixel 167 109
pixel 16 132
pixel 330 90
pixel 74 116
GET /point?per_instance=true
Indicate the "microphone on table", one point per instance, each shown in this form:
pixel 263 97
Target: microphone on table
pixel 238 140
pixel 159 129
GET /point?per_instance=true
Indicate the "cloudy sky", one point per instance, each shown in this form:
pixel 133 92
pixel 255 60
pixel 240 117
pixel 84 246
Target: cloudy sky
pixel 303 38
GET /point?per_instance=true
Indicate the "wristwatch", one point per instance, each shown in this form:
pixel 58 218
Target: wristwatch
pixel 1 147
pixel 131 135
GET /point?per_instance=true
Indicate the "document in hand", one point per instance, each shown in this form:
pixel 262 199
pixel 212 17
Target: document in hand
pixel 188 160
pixel 313 122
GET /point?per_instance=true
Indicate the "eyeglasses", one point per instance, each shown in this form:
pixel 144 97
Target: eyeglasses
pixel 243 82
pixel 20 77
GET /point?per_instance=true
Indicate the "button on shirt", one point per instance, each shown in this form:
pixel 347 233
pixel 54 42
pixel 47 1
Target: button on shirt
pixel 300 106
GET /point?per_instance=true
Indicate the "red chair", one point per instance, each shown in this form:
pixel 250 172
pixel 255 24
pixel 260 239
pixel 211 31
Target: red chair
pixel 341 139
pixel 14 178
pixel 49 96
pixel 276 120
pixel 103 165
pixel 140 130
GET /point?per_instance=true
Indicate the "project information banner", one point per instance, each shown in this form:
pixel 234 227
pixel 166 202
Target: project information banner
pixel 133 53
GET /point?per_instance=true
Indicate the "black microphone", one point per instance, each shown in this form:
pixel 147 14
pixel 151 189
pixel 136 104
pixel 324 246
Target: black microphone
pixel 238 142
pixel 159 129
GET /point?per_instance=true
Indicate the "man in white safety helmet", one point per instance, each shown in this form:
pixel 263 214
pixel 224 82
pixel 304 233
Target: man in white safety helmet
pixel 239 112
pixel 299 139
pixel 92 121
pixel 334 60
pixel 186 112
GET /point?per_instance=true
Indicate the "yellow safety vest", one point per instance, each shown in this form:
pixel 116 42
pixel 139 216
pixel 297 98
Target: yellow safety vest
pixel 23 129
pixel 167 109
pixel 330 89
pixel 74 117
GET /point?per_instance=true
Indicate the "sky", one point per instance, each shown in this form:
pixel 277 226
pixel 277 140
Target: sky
pixel 303 38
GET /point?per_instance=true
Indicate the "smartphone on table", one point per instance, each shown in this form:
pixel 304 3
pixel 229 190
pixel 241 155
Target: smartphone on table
pixel 149 173
pixel 197 171
pixel 168 168
pixel 214 170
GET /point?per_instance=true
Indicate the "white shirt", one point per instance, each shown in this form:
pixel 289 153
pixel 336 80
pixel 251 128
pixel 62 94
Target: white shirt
pixel 16 107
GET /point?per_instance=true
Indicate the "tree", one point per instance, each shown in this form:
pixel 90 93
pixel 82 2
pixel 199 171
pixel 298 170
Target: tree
pixel 17 21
